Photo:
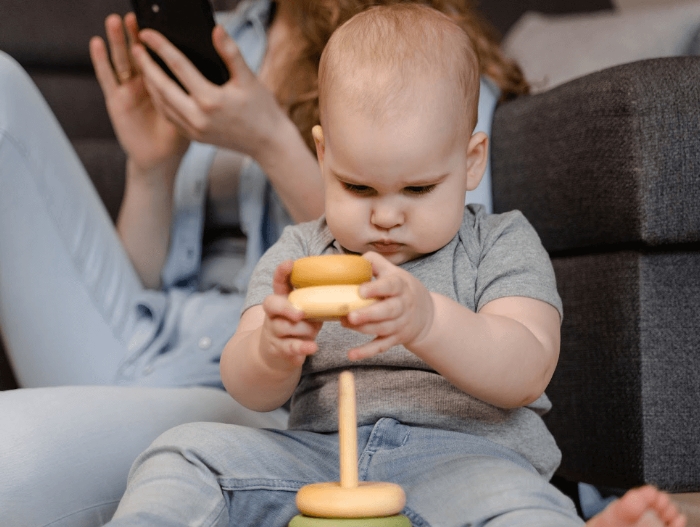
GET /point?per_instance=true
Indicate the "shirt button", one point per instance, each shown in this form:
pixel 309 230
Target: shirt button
pixel 204 343
pixel 148 369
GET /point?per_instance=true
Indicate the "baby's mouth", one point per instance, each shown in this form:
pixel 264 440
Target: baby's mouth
pixel 386 246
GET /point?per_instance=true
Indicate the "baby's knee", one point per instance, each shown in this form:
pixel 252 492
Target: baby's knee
pixel 205 442
pixel 189 440
pixel 185 435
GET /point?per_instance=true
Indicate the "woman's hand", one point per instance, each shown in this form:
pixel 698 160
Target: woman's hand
pixel 403 315
pixel 241 115
pixel 287 338
pixel 146 135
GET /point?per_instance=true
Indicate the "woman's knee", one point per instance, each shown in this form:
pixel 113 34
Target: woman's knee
pixel 13 78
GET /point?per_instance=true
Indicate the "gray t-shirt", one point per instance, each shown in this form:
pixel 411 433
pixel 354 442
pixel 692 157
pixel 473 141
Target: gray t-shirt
pixel 492 256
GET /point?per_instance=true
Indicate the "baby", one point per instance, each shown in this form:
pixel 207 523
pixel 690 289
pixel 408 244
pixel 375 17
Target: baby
pixel 451 362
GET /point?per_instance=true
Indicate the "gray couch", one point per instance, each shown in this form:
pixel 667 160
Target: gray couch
pixel 605 167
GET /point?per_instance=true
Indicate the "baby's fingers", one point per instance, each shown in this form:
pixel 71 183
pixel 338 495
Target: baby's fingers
pixel 285 328
pixel 387 309
pixel 285 353
pixel 375 347
pixel 383 287
pixel 279 306
pixel 298 348
pixel 280 280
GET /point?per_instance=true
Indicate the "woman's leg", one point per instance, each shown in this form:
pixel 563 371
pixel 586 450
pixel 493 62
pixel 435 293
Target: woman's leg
pixel 66 451
pixel 66 284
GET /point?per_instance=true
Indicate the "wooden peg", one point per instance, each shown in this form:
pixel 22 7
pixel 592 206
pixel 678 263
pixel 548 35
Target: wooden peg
pixel 349 498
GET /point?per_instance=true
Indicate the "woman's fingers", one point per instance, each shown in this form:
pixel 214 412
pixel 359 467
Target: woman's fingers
pixel 103 67
pixel 132 35
pixel 160 86
pixel 186 72
pixel 231 55
pixel 132 28
pixel 119 52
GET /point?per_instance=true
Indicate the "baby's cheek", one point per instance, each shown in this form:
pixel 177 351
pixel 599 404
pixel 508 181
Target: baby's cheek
pixel 346 225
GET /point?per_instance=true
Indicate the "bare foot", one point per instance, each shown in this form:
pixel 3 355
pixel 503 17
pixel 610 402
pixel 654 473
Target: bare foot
pixel 642 507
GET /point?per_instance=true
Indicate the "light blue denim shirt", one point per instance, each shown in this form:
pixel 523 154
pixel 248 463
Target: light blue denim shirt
pixel 181 331
pixel 489 94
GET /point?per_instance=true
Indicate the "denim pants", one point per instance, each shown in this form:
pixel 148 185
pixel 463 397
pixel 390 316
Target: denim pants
pixel 67 290
pixel 208 474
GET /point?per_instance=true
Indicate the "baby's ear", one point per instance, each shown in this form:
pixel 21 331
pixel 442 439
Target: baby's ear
pixel 317 133
pixel 477 157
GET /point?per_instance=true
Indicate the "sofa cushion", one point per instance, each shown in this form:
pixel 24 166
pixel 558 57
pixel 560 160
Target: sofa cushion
pixel 105 162
pixel 77 101
pixel 504 13
pixel 599 40
pixel 50 33
pixel 610 158
pixel 625 392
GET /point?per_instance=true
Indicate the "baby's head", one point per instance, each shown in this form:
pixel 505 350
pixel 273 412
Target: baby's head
pixel 398 96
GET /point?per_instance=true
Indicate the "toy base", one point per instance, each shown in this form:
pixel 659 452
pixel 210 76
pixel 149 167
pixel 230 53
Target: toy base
pixel 388 521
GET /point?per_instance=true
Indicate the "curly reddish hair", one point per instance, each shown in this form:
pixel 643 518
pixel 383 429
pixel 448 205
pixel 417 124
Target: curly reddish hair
pixel 316 20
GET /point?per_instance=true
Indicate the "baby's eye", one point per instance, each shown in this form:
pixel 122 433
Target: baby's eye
pixel 419 190
pixel 362 190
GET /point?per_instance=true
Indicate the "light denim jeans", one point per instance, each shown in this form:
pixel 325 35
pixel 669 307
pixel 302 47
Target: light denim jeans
pixel 67 291
pixel 65 452
pixel 208 474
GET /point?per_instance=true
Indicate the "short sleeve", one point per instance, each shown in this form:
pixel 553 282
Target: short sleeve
pixel 288 247
pixel 513 262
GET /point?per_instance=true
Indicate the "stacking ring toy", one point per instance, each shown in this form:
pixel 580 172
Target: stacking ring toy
pixel 330 269
pixel 373 500
pixel 327 287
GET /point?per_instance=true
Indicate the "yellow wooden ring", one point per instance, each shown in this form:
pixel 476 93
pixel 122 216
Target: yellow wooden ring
pixel 326 302
pixel 330 269
pixel 370 499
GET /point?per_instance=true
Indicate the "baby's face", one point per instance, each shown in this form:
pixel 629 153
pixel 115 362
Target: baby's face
pixel 396 185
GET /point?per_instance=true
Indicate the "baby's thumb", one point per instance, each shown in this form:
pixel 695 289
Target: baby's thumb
pixel 379 263
pixel 230 54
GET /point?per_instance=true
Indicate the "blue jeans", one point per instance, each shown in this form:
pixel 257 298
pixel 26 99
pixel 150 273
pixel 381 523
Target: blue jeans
pixel 210 474
pixel 67 291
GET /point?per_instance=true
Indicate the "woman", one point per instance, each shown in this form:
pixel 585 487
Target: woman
pixel 144 310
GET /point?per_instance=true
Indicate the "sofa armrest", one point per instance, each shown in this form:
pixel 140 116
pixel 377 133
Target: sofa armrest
pixel 607 169
pixel 609 158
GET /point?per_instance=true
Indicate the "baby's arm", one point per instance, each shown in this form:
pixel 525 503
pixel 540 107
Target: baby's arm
pixel 504 355
pixel 261 364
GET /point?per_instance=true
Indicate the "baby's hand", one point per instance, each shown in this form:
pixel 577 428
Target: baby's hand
pixel 403 314
pixel 287 338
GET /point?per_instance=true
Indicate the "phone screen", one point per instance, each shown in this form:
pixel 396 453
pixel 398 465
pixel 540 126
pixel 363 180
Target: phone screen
pixel 188 25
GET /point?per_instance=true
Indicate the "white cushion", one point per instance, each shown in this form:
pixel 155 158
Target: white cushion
pixel 552 49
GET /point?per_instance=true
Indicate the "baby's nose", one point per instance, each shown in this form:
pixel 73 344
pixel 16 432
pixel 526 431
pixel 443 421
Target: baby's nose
pixel 386 216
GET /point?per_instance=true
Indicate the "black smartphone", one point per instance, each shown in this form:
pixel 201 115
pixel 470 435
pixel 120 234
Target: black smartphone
pixel 188 25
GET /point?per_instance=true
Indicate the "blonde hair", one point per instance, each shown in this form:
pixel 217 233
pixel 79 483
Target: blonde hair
pixel 377 56
pixel 316 20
